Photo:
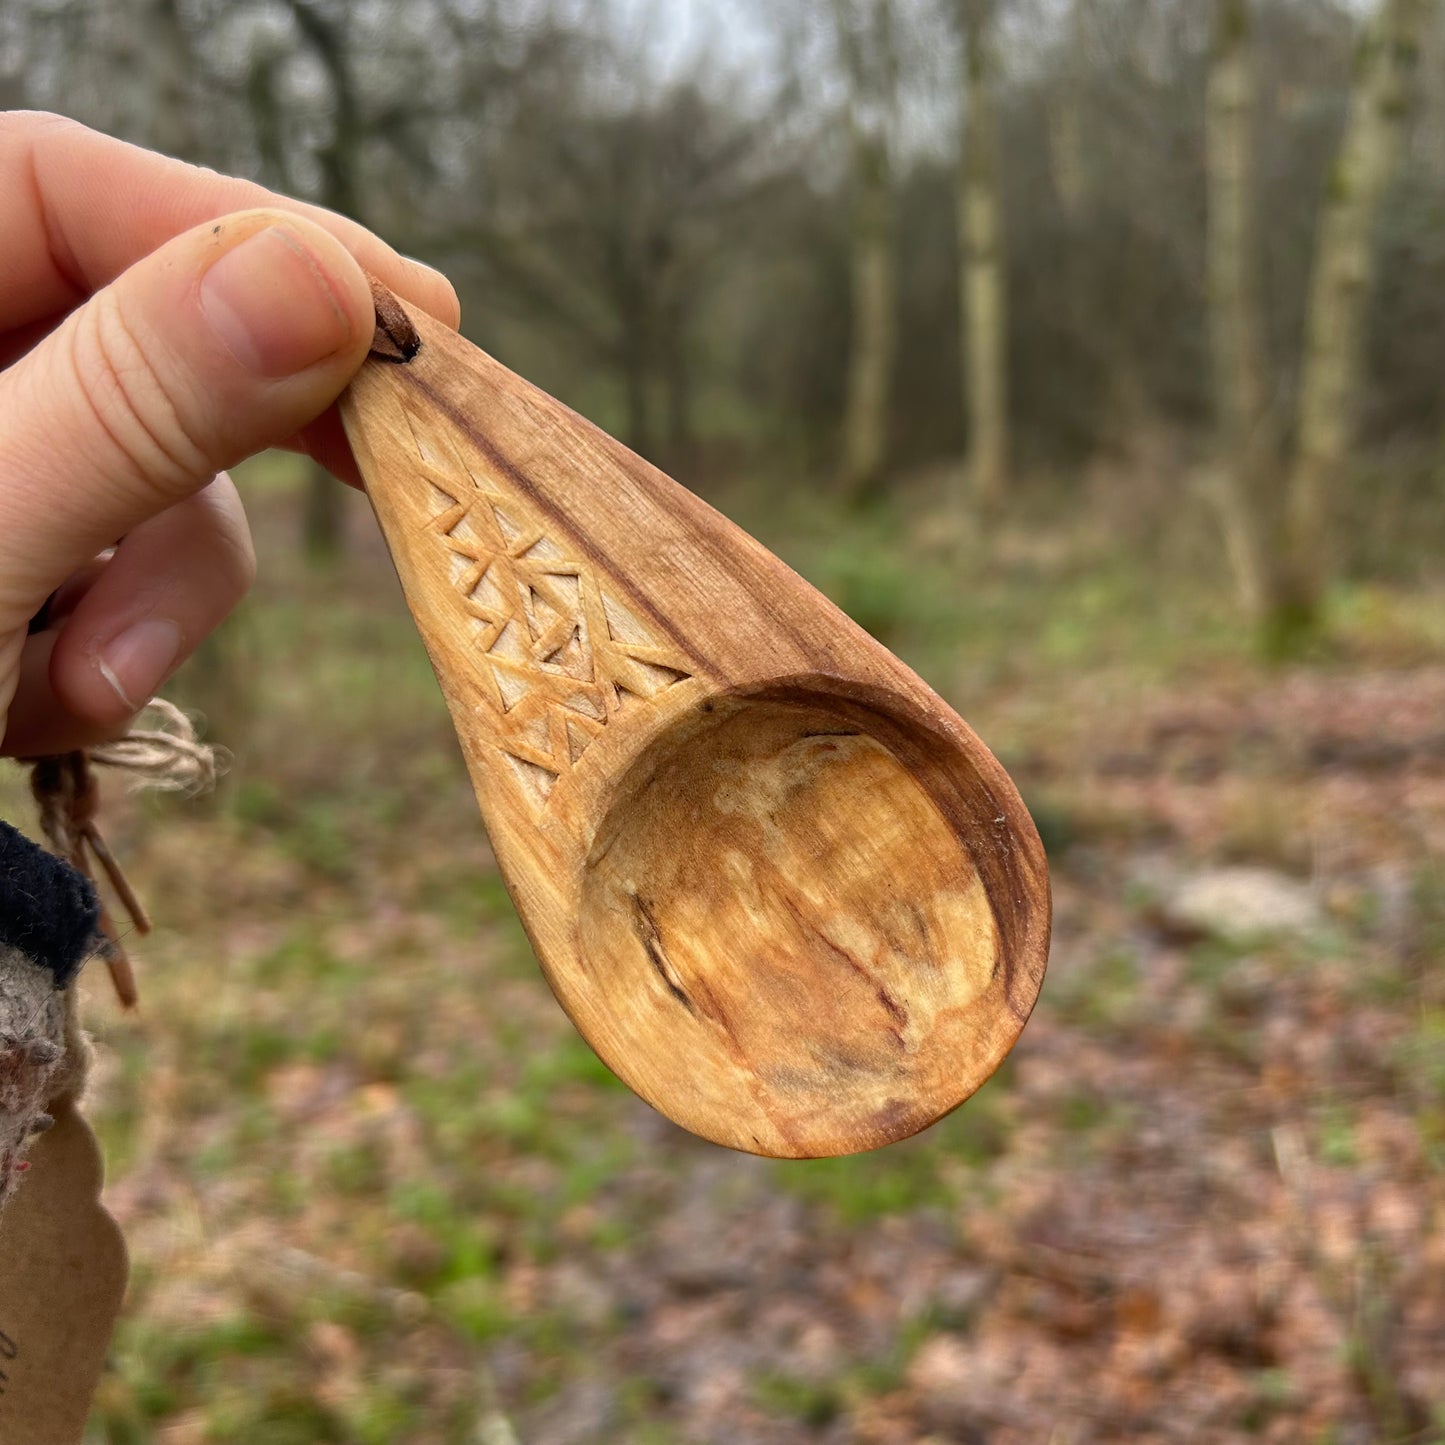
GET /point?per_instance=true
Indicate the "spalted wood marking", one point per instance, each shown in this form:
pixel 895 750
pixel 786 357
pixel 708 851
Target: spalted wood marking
pixel 779 886
pixel 814 936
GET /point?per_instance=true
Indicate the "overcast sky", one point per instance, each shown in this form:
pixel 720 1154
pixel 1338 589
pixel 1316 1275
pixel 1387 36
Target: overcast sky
pixel 676 30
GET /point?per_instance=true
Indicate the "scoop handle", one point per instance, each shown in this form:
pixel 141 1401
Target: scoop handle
pixel 541 639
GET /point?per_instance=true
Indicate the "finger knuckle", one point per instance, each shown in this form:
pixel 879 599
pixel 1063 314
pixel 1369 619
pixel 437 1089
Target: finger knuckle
pixel 23 125
pixel 236 562
pixel 136 418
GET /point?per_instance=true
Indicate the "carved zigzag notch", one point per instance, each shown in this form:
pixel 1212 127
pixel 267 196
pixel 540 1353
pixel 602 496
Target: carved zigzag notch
pixel 535 779
pixel 562 656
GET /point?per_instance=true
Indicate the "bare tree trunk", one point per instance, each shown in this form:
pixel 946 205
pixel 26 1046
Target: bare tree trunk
pixel 983 282
pixel 639 410
pixel 679 404
pixel 1343 279
pixel 678 389
pixel 872 64
pixel 1244 452
pixel 323 531
pixel 1067 157
pixel 1429 140
pixel 874 339
pixel 1066 154
pixel 165 50
pixel 637 374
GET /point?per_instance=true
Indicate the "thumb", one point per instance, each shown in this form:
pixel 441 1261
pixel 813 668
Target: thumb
pixel 224 341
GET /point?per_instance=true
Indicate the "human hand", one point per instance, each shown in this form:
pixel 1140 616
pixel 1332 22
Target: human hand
pixel 158 323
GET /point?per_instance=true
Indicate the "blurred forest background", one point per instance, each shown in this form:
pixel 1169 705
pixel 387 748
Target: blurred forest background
pixel 1091 353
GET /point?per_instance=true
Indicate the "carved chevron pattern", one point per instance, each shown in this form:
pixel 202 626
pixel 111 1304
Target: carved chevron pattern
pixel 563 656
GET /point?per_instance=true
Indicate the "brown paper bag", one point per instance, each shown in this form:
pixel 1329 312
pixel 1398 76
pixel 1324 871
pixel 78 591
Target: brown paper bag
pixel 62 1278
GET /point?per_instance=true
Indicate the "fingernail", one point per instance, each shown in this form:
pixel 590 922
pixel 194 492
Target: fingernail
pixel 423 266
pixel 271 303
pixel 439 277
pixel 137 661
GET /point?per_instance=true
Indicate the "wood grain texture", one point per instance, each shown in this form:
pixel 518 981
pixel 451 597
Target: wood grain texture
pixel 779 886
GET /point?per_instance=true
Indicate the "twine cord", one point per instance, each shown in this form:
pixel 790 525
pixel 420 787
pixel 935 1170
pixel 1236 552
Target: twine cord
pixel 164 754
pixel 167 757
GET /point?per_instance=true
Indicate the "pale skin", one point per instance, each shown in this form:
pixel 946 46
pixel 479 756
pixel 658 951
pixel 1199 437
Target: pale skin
pixel 158 324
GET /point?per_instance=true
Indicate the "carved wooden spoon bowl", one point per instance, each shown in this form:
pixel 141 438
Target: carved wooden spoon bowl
pixel 778 885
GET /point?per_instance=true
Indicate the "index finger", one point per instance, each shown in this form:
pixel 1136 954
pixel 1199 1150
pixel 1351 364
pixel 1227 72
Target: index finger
pixel 81 207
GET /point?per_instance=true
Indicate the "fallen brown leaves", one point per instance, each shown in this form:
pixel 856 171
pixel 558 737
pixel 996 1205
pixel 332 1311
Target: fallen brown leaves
pixel 1209 1205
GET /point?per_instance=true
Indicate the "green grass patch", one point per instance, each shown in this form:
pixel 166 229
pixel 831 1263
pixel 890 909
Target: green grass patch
pixel 926 1172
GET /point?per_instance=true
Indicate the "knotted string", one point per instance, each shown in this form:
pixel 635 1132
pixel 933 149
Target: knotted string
pixel 166 756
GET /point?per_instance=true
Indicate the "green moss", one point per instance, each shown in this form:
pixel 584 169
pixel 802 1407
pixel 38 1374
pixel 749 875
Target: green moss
pixel 1420 1057
pixel 1335 1130
pixel 160 1367
pixel 356 1168
pixel 1082 1112
pixel 475 1307
pixel 919 1173
pixel 381 1416
pixel 1100 995
pixel 812 1402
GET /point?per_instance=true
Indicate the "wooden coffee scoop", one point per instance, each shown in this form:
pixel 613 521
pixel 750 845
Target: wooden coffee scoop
pixel 778 885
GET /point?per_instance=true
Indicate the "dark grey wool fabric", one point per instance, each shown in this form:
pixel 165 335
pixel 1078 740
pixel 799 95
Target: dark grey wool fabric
pixel 48 911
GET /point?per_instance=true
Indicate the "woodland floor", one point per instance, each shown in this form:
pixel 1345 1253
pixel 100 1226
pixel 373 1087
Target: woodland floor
pixel 377 1191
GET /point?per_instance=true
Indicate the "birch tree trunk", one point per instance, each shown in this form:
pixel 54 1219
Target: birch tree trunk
pixel 871 61
pixel 1244 459
pixel 1343 279
pixel 983 283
